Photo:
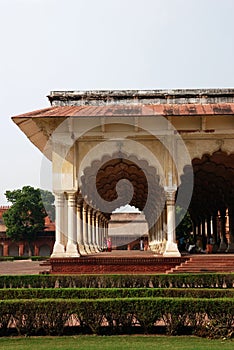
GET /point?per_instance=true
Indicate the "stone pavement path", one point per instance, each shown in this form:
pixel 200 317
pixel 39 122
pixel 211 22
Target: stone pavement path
pixel 21 267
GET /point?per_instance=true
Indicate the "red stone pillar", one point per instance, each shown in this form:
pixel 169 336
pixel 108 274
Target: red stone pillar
pixel 21 249
pixel 6 249
pixel 36 250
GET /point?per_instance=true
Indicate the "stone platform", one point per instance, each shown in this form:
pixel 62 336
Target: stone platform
pixel 117 262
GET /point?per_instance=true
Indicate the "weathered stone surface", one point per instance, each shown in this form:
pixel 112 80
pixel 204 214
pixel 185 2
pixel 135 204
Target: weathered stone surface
pixel 113 97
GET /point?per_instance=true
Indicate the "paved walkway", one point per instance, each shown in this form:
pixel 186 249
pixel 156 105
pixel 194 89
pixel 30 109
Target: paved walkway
pixel 21 267
pixel 28 267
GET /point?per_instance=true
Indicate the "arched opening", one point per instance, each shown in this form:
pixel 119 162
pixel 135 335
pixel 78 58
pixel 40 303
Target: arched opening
pixel 1 249
pixel 13 250
pixel 122 180
pixel 44 250
pixel 26 250
pixel 212 203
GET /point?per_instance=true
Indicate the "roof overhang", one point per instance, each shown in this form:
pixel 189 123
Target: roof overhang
pixel 39 125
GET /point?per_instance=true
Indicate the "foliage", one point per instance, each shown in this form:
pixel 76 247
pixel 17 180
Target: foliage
pixel 53 305
pixel 48 202
pixel 109 293
pixel 25 218
pixel 205 280
pixel 117 315
pixel 183 224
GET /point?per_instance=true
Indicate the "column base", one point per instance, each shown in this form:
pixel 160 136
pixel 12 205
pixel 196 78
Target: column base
pixel 71 250
pixel 223 247
pixel 92 249
pixel 97 250
pixel 87 248
pixel 82 249
pixel 156 246
pixel 58 251
pixel 230 248
pixel 171 250
pixel 163 247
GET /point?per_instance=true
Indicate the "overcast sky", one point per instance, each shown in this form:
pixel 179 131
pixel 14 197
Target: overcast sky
pixel 102 44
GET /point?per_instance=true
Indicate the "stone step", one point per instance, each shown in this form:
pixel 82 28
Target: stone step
pixel 206 263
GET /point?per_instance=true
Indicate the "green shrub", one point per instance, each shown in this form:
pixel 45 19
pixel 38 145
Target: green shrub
pixel 99 293
pixel 50 316
pixel 220 280
pixel 39 258
pixel 6 258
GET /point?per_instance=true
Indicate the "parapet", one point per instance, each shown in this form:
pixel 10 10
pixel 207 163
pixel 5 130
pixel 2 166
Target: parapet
pixel 145 97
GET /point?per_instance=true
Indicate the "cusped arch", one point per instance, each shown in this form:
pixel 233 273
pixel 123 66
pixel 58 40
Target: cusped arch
pixel 44 250
pixel 213 182
pixel 119 179
pixel 102 152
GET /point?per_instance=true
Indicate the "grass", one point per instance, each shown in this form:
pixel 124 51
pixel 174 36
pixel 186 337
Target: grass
pixel 114 343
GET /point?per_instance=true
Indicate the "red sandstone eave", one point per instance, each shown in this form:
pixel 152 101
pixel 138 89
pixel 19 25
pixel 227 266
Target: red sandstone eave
pixel 130 110
pixel 28 122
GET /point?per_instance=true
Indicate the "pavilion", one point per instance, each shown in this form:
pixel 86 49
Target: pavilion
pixel 151 149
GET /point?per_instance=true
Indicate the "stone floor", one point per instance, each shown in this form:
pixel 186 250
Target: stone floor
pixel 28 267
pixel 21 267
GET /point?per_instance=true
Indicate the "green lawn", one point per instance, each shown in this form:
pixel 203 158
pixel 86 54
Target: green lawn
pixel 114 343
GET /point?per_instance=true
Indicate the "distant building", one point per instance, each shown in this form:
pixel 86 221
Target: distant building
pixel 43 245
pixel 127 229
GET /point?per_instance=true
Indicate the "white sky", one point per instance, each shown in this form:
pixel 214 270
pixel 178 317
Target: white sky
pixel 102 44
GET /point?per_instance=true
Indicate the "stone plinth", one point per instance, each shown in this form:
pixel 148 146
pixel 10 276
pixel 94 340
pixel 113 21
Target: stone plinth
pixel 119 265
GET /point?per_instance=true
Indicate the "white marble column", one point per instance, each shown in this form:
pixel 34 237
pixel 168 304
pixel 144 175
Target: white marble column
pixel 59 249
pixel 85 228
pixel 71 250
pixel 90 238
pixel 94 214
pixel 102 233
pixel 105 228
pixel 171 249
pixel 98 231
pixel 230 248
pixel 151 240
pixel 160 239
pixel 80 238
pixel 164 213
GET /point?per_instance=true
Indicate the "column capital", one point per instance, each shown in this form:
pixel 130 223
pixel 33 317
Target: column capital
pixel 58 193
pixel 170 192
pixel 59 199
pixel 79 200
pixel 85 207
pixel 98 213
pixel 71 199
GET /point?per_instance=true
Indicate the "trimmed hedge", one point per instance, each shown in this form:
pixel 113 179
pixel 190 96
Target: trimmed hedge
pixel 207 280
pixel 51 317
pixel 99 293
pixel 6 258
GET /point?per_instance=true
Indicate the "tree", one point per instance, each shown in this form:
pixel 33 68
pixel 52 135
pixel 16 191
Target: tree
pixel 183 226
pixel 48 202
pixel 25 218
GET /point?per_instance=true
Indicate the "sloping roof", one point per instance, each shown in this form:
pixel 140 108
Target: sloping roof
pixel 126 110
pixel 31 123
